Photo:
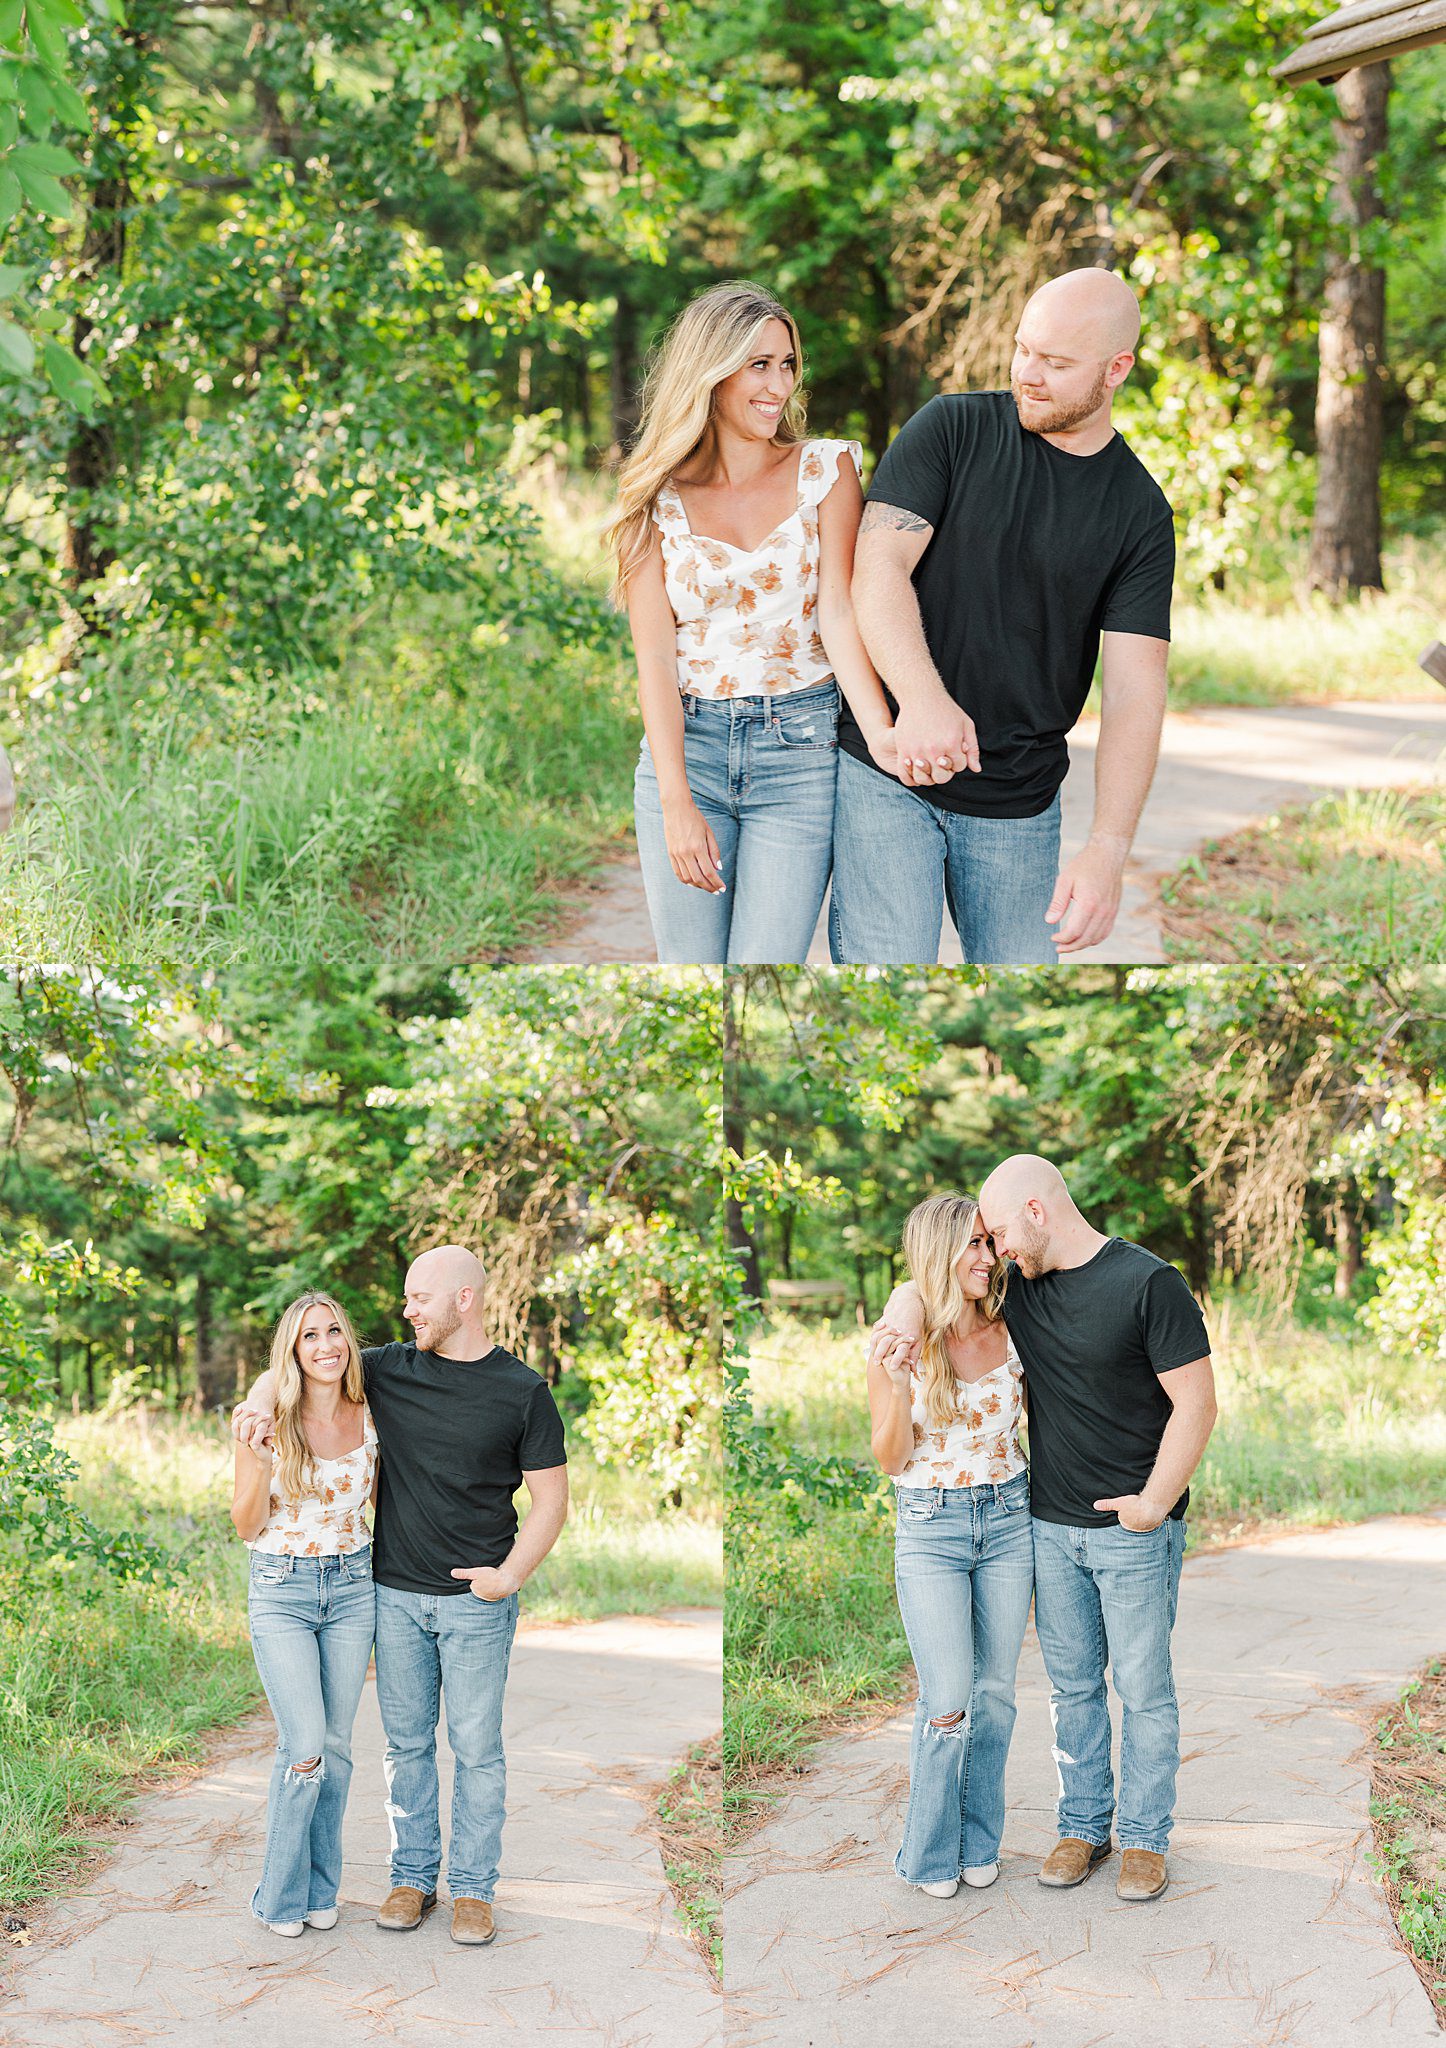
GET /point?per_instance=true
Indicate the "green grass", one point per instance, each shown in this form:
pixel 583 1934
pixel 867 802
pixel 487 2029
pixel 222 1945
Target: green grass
pixel 103 1686
pixel 1356 877
pixel 1316 1426
pixel 1408 1812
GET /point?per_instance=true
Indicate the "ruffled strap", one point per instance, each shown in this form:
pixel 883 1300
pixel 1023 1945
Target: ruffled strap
pixel 667 511
pixel 818 468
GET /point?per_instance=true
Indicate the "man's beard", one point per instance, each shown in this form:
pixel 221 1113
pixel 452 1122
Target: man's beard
pixel 1031 1251
pixel 1061 418
pixel 440 1324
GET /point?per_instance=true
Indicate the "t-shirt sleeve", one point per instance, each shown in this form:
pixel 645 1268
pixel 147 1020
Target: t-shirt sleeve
pixel 371 1358
pixel 918 465
pixel 1173 1327
pixel 542 1438
pixel 1138 597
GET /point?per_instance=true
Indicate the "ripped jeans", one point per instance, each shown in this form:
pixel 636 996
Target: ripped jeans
pixel 311 1633
pixel 964 1572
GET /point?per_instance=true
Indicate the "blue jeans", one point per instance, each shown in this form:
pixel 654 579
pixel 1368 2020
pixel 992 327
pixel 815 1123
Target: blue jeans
pixel 964 1571
pixel 450 1646
pixel 1108 1596
pixel 762 772
pixel 898 859
pixel 311 1633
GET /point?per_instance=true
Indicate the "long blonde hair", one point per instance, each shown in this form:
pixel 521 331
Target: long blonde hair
pixel 714 335
pixel 296 1460
pixel 936 1236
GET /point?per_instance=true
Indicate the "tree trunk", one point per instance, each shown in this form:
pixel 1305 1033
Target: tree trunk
pixel 1345 545
pixel 1349 1237
pixel 90 460
pixel 625 374
pixel 735 1135
pixel 220 1352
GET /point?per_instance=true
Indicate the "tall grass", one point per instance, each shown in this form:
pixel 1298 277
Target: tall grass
pixel 1317 1425
pixel 104 1686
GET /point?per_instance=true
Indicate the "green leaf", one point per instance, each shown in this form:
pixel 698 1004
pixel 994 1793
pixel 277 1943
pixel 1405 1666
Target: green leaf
pixel 51 318
pixel 73 381
pixel 43 192
pixel 10 13
pixel 17 350
pixel 35 98
pixel 48 37
pixel 12 276
pixel 7 82
pixel 48 157
pixel 69 105
pixel 64 10
pixel 9 196
pixel 116 10
pixel 9 126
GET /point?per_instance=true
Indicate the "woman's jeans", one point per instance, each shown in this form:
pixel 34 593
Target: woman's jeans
pixel 311 1632
pixel 1109 1595
pixel 964 1569
pixel 454 1647
pixel 762 772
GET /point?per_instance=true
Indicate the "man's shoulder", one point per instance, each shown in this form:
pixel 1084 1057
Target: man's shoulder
pixel 1132 475
pixel 387 1357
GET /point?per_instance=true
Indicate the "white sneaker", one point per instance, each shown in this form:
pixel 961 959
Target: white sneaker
pixel 984 1875
pixel 326 1916
pixel 286 1927
pixel 943 1890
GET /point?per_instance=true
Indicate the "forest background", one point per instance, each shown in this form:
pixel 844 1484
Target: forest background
pixel 177 1163
pixel 321 322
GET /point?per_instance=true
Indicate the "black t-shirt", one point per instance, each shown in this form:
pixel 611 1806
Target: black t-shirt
pixel 1034 554
pixel 1093 1340
pixel 456 1436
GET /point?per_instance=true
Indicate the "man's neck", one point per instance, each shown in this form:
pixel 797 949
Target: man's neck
pixel 1076 1247
pixel 468 1342
pixel 1088 438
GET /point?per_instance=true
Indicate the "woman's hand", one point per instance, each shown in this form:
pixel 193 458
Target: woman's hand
pixel 691 847
pixel 896 1355
pixel 883 749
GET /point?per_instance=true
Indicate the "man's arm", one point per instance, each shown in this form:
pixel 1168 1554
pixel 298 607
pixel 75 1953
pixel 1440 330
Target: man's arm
pixel 1086 898
pixel 930 729
pixel 1191 1389
pixel 541 1527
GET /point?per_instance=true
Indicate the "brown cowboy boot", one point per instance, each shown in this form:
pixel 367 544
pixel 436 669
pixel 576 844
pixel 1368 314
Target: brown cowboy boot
pixel 472 1921
pixel 405 1907
pixel 1142 1874
pixel 1070 1861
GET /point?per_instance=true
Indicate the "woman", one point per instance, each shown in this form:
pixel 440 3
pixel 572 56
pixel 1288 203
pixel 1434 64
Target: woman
pixel 734 542
pixel 947 1431
pixel 299 1508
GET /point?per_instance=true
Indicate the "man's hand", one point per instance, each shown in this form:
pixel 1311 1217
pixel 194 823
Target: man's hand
pixel 883 745
pixel 489 1581
pixel 897 1359
pixel 1086 899
pixel 252 1426
pixel 1135 1512
pixel 935 741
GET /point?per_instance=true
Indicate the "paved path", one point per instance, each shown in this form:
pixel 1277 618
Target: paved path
pixel 1271 1934
pixel 161 1947
pixel 1220 770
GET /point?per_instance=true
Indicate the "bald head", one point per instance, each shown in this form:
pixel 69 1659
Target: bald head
pixel 1025 1177
pixel 444 1294
pixel 1030 1213
pixel 1094 311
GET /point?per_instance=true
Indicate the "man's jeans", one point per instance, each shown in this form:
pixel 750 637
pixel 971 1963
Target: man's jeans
pixel 455 1647
pixel 762 772
pixel 1109 1596
pixel 964 1570
pixel 311 1633
pixel 898 859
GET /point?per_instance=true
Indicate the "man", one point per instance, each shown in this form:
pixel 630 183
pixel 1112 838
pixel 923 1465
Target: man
pixel 1121 1404
pixel 461 1424
pixel 1006 536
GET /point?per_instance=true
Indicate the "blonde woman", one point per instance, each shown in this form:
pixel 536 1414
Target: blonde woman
pixel 947 1431
pixel 734 542
pixel 298 1505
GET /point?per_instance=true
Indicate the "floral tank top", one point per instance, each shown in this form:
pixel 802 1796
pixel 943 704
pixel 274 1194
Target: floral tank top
pixel 748 618
pixel 981 1445
pixel 327 1523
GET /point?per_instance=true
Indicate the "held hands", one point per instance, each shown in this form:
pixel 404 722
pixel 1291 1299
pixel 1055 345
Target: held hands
pixel 1086 899
pixel 691 847
pixel 894 1349
pixel 490 1582
pixel 1135 1512
pixel 252 1427
pixel 935 740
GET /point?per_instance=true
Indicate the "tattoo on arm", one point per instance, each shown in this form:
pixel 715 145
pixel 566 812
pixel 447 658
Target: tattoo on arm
pixel 892 518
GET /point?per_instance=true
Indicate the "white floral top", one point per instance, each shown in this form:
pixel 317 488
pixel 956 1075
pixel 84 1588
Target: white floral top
pixel 327 1523
pixel 747 618
pixel 981 1446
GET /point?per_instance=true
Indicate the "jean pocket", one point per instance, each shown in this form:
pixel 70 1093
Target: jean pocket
pixel 268 1574
pixel 916 1507
pixel 814 731
pixel 1014 1495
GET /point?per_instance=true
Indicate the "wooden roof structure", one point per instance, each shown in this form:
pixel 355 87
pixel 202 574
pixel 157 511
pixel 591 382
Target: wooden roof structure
pixel 1364 32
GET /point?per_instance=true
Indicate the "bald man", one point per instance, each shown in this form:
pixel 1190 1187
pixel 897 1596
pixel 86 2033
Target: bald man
pixel 461 1424
pixel 1121 1404
pixel 1009 538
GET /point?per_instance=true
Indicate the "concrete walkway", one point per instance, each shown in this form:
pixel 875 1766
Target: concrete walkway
pixel 1271 1934
pixel 1220 770
pixel 161 1946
